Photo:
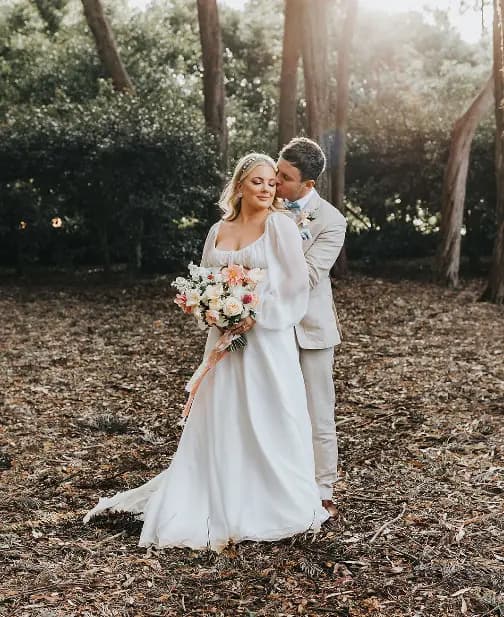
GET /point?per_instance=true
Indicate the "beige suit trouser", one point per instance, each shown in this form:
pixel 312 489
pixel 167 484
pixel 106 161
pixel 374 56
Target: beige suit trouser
pixel 317 367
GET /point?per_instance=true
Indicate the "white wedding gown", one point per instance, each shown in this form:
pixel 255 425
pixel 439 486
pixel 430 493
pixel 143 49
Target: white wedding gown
pixel 244 467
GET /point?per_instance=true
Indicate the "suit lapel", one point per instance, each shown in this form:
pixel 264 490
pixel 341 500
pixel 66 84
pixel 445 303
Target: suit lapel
pixel 313 205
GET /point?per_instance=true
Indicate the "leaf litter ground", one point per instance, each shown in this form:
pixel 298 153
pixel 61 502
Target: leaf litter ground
pixel 92 378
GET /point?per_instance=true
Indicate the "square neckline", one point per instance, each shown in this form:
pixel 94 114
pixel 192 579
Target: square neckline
pixel 243 247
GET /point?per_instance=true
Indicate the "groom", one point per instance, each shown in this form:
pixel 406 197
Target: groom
pixel 322 227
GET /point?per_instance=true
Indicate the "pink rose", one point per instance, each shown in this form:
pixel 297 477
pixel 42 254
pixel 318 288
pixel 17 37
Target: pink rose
pixel 180 300
pixel 250 299
pixel 212 317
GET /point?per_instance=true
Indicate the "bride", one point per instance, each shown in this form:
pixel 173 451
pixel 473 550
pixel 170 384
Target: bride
pixel 244 467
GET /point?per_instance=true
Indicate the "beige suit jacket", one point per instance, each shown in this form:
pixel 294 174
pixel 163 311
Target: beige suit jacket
pixel 319 328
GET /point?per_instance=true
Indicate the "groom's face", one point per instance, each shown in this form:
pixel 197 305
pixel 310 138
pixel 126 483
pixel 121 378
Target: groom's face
pixel 289 183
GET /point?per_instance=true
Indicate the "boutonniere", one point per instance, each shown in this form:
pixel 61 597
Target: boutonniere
pixel 303 219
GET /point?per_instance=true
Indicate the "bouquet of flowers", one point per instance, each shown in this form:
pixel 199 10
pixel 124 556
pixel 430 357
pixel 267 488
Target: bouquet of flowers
pixel 219 296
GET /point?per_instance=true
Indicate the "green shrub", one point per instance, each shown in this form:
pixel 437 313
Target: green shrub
pixel 106 181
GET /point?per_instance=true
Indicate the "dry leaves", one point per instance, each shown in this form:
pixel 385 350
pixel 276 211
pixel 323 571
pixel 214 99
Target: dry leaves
pixel 92 379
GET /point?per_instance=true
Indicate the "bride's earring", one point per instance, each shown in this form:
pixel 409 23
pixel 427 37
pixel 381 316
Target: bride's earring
pixel 240 195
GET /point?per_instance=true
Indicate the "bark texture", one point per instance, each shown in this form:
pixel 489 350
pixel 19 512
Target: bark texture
pixel 106 45
pixel 454 185
pixel 213 75
pixel 315 65
pixel 338 144
pixel 291 52
pixel 315 52
pixel 341 119
pixel 495 289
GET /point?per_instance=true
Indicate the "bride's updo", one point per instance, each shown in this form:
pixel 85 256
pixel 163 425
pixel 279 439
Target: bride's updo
pixel 230 201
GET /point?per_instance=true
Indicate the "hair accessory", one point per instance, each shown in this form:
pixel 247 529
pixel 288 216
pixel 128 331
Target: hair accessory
pixel 249 163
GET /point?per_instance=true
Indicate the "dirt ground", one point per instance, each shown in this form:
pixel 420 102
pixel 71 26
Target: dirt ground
pixel 92 378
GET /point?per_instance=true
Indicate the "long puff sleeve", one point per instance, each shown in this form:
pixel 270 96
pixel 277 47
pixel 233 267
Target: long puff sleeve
pixel 209 243
pixel 284 293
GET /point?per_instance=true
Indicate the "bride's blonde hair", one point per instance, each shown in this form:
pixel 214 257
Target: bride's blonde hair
pixel 230 201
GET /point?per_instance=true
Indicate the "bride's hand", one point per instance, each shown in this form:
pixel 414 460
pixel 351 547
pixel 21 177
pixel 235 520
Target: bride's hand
pixel 243 326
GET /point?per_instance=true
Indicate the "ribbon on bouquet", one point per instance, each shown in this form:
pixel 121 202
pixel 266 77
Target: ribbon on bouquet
pixel 219 350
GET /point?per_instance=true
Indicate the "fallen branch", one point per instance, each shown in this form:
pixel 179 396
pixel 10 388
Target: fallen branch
pixel 385 525
pixel 109 538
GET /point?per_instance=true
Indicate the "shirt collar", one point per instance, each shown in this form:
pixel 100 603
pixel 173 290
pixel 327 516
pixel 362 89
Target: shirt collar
pixel 304 200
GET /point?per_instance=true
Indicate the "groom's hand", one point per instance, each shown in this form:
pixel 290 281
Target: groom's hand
pixel 243 326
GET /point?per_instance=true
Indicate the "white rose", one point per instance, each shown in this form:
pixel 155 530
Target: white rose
pixel 193 298
pixel 214 292
pixel 232 307
pixel 238 292
pixel 216 304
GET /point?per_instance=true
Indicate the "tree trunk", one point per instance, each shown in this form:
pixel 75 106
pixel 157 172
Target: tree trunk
pixel 213 75
pixel 287 125
pixel 338 146
pixel 106 45
pixel 315 51
pixel 454 185
pixel 315 66
pixel 136 246
pixel 495 289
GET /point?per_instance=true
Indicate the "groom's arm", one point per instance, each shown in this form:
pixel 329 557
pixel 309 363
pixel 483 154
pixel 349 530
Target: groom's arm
pixel 325 249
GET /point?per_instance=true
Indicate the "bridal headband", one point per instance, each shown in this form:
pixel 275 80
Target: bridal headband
pixel 253 159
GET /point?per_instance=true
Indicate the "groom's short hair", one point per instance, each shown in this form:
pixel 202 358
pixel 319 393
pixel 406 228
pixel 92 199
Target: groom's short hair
pixel 306 155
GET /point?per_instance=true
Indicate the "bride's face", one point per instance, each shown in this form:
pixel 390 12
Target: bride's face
pixel 259 187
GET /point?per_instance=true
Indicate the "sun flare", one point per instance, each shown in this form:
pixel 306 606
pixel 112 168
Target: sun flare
pixel 468 22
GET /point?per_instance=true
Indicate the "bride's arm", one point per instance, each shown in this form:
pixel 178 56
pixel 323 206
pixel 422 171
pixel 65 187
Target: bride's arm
pixel 284 295
pixel 208 245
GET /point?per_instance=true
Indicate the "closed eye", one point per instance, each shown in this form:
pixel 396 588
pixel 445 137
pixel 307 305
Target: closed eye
pixel 271 182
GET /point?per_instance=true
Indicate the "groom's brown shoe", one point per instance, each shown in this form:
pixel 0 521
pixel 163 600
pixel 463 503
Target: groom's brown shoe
pixel 329 505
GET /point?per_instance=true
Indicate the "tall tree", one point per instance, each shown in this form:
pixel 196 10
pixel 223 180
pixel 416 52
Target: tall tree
pixel 111 60
pixel 495 288
pixel 291 51
pixel 338 150
pixel 337 156
pixel 454 185
pixel 106 45
pixel 315 52
pixel 315 66
pixel 213 75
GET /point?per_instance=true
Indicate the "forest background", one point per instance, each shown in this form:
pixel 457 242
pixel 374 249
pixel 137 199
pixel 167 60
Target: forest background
pixel 91 176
